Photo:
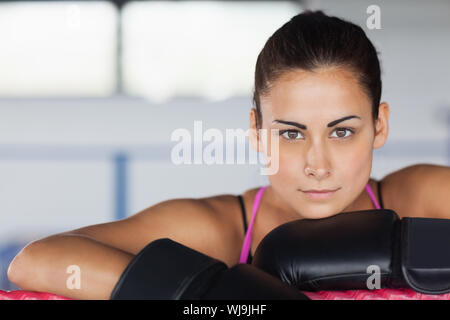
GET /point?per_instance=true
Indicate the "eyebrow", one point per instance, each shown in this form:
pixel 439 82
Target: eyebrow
pixel 302 126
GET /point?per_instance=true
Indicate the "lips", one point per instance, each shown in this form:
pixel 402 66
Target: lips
pixel 320 191
pixel 319 194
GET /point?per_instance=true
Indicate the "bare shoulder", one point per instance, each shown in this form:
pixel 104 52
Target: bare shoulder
pixel 419 190
pixel 230 213
pixel 202 224
pixel 227 210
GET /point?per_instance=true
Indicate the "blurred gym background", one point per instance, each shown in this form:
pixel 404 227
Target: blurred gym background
pixel 90 92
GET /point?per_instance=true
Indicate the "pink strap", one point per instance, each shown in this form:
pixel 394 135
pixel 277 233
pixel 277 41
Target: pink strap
pixel 372 196
pixel 248 237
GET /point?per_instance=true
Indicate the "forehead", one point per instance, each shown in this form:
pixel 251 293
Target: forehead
pixel 332 89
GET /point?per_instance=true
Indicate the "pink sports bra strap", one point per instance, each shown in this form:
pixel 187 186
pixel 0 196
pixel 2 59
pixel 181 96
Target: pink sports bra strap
pixel 248 237
pixel 372 196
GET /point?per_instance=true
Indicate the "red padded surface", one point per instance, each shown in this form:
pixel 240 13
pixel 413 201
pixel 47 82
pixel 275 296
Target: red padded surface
pixel 29 295
pixel 381 294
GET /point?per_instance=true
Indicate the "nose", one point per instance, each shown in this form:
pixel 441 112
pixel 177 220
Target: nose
pixel 317 164
pixel 319 174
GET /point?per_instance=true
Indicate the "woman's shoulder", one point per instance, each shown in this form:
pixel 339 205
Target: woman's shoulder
pixel 227 208
pixel 227 211
pixel 419 190
pixel 207 224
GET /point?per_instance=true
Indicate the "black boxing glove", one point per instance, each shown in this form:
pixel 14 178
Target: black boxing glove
pixel 353 250
pixel 168 270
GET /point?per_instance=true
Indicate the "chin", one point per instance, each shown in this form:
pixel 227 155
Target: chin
pixel 316 213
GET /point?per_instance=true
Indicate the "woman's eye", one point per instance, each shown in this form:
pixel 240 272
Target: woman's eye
pixel 295 135
pixel 341 132
pixel 290 134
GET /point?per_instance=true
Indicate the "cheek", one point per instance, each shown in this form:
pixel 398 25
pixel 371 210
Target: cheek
pixel 354 156
pixel 290 164
pixel 286 179
pixel 359 158
pixel 351 163
pixel 355 168
pixel 289 160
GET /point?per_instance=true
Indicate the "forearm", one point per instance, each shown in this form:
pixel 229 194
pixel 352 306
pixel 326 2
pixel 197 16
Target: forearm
pixel 43 266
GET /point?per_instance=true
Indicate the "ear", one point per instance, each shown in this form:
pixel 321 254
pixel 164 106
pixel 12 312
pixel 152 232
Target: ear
pixel 381 126
pixel 253 135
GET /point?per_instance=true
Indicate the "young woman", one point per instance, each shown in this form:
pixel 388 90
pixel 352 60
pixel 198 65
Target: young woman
pixel 318 82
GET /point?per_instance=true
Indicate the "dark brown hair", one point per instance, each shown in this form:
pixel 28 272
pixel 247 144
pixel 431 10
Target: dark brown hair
pixel 311 40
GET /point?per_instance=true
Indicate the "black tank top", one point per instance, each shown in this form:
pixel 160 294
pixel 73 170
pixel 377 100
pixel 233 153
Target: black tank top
pixel 244 218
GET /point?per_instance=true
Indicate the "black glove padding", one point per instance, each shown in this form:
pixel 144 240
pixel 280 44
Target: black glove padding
pixel 168 270
pixel 368 249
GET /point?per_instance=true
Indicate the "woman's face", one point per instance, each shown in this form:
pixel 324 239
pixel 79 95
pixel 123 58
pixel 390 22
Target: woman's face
pixel 316 150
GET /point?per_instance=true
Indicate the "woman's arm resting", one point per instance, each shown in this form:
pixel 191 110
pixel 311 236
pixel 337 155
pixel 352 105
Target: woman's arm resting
pixel 43 266
pixel 103 251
